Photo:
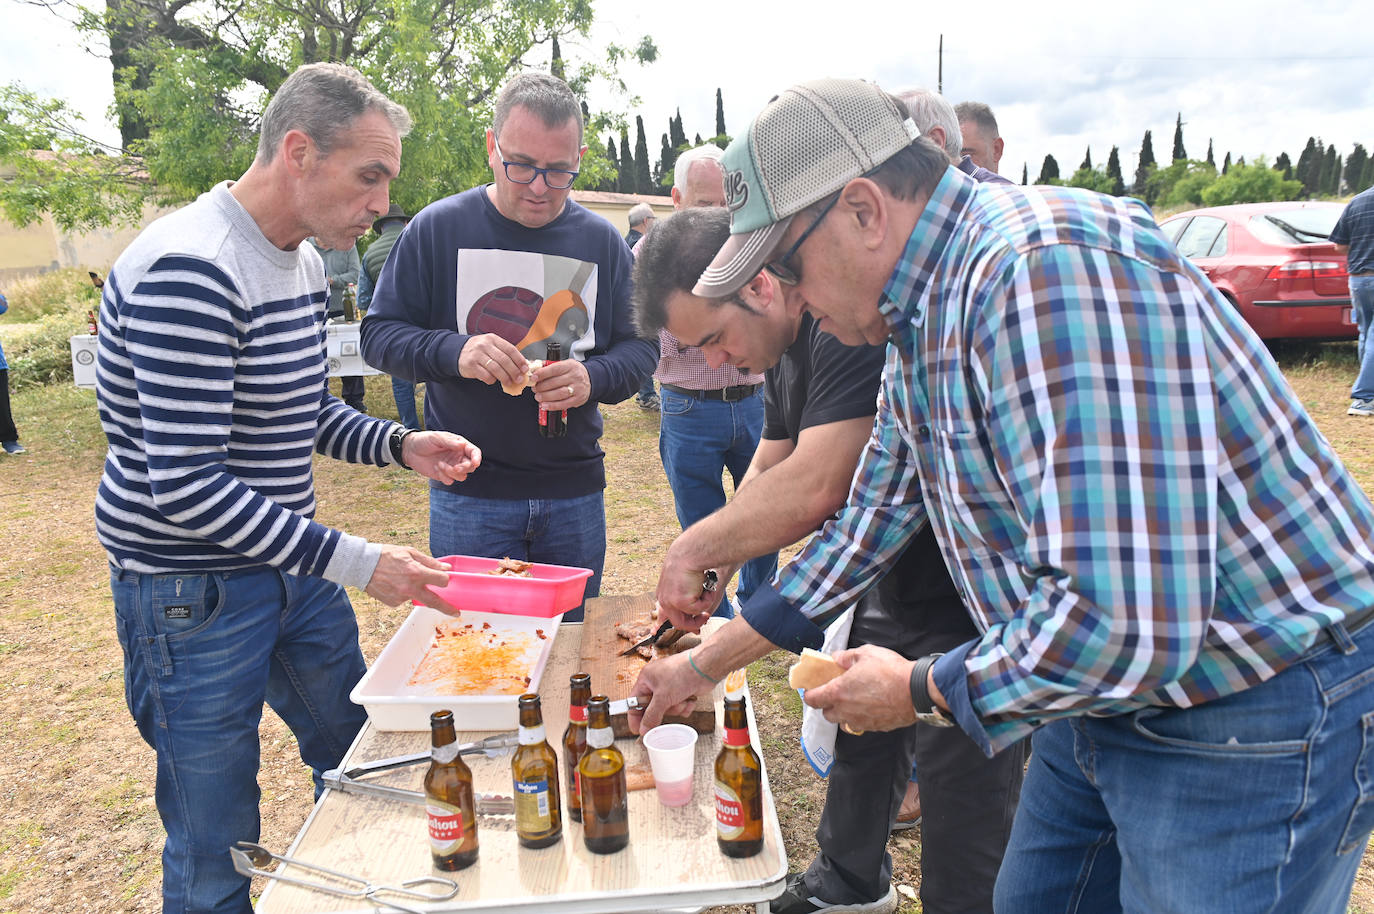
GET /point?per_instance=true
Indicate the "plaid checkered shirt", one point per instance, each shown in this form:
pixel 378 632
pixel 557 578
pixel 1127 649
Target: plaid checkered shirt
pixel 1131 500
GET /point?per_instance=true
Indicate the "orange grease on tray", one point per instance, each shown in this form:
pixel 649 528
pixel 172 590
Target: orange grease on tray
pixel 476 662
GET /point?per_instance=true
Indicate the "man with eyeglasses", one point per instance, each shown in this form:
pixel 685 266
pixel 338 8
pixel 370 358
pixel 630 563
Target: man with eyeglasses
pixel 1167 563
pixel 483 281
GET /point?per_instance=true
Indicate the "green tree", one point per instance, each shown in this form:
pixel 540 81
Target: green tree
pixel 1182 183
pixel 663 173
pixel 612 181
pixel 720 116
pixel 1145 164
pixel 644 182
pixel 1118 187
pixel 1211 159
pixel 1025 175
pixel 1049 171
pixel 1330 181
pixel 1281 164
pixel 1354 168
pixel 1087 162
pixel 191 79
pixel 1179 153
pixel 1255 183
pixel 1308 169
pixel 1092 179
pixel 625 177
pixel 675 133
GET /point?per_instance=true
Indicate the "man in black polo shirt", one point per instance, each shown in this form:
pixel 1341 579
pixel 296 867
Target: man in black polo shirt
pixel 820 401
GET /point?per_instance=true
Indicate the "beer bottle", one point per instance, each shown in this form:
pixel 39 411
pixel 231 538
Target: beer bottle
pixel 350 303
pixel 92 327
pixel 534 768
pixel 739 780
pixel 553 424
pixel 575 740
pixel 601 773
pixel 449 801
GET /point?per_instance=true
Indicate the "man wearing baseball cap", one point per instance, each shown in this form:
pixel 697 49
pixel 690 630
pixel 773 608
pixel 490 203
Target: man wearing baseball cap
pixel 1169 566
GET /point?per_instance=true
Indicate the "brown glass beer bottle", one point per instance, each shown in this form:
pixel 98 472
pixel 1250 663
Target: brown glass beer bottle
pixel 601 774
pixel 575 739
pixel 534 768
pixel 449 800
pixel 553 423
pixel 739 780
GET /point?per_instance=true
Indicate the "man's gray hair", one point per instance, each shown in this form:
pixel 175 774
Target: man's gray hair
pixel 322 100
pixel 640 212
pixel 930 110
pixel 545 96
pixel 980 114
pixel 709 152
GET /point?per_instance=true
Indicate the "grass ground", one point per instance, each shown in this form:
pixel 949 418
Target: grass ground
pixel 81 833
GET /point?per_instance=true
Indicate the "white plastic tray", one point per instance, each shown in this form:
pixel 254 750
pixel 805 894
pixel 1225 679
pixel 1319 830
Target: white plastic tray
pixel 393 704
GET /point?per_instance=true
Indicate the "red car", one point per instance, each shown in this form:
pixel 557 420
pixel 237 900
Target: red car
pixel 1274 263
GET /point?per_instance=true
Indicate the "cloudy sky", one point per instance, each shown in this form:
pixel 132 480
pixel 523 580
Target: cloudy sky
pixel 1256 78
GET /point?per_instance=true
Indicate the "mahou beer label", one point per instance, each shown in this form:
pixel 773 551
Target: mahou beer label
pixel 444 754
pixel 532 805
pixel 445 826
pixel 729 812
pixel 738 737
pixel 531 736
pixel 577 714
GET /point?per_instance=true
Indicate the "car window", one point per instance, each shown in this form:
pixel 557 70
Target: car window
pixel 1173 227
pixel 1295 226
pixel 1196 240
pixel 1218 248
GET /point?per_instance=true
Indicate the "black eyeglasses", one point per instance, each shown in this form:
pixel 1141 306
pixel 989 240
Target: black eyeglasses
pixel 779 267
pixel 525 173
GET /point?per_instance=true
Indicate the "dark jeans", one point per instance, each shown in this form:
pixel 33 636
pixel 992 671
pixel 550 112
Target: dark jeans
pixel 352 390
pixel 7 430
pixel 968 801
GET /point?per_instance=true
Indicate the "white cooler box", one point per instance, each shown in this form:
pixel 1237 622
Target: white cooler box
pixel 83 360
pixel 344 349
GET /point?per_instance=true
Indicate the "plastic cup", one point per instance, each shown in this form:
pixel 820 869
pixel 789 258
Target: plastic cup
pixel 672 756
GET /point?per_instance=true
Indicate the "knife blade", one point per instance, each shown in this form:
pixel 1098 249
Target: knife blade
pixel 652 639
pixel 709 581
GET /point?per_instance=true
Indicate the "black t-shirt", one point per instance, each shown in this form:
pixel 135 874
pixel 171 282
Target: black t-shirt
pixel 820 380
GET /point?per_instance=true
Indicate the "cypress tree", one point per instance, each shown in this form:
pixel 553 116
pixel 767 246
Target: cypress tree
pixel 1282 163
pixel 675 134
pixel 1025 175
pixel 1368 180
pixel 626 183
pixel 613 182
pixel 1087 160
pixel 1226 163
pixel 1308 170
pixel 1114 173
pixel 1331 172
pixel 1049 171
pixel 665 166
pixel 556 61
pixel 1145 164
pixel 1354 168
pixel 1179 153
pixel 720 116
pixel 1211 160
pixel 644 182
pixel 696 142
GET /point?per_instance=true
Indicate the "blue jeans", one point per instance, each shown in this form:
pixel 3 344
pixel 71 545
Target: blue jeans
pixel 1261 801
pixel 646 390
pixel 202 652
pixel 1362 300
pixel 697 440
pixel 553 531
pixel 403 392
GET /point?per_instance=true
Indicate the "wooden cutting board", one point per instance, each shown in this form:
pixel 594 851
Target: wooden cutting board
pixel 614 676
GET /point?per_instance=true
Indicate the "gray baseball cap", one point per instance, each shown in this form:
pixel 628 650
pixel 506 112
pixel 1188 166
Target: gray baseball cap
pixel 807 143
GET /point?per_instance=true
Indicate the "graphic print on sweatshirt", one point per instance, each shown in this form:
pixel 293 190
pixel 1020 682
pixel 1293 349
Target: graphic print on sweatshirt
pixel 527 299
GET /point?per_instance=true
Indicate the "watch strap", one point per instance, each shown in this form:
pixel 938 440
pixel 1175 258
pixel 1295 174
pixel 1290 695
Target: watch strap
pixel 396 441
pixel 921 700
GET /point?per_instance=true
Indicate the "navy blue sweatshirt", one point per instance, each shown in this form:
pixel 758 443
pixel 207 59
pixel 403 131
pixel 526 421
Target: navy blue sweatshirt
pixel 461 269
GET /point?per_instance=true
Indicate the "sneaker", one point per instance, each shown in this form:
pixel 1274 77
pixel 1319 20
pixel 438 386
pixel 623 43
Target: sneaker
pixel 14 447
pixel 1361 408
pixel 796 900
pixel 648 403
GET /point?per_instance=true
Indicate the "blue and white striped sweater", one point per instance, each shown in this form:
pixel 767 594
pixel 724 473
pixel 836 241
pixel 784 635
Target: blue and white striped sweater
pixel 212 393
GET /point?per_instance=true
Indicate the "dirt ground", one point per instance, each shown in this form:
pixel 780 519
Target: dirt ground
pixel 82 833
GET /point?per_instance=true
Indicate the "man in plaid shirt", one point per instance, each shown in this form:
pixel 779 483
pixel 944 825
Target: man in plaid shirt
pixel 1169 566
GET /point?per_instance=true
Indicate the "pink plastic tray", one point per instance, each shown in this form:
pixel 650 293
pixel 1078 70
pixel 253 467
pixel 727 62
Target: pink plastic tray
pixel 553 590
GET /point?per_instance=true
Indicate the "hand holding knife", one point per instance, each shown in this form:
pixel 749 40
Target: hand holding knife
pixel 709 581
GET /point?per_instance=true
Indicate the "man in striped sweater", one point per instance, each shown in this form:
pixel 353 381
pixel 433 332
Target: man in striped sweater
pixel 212 393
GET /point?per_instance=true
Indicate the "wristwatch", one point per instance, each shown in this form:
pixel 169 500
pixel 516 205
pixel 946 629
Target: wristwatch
pixel 926 710
pixel 396 440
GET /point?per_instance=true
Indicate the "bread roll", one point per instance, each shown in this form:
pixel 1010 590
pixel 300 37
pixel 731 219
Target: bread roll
pixel 519 386
pixel 812 669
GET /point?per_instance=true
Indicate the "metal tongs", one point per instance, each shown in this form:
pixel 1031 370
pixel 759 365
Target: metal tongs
pixel 488 804
pixel 708 584
pixel 254 860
